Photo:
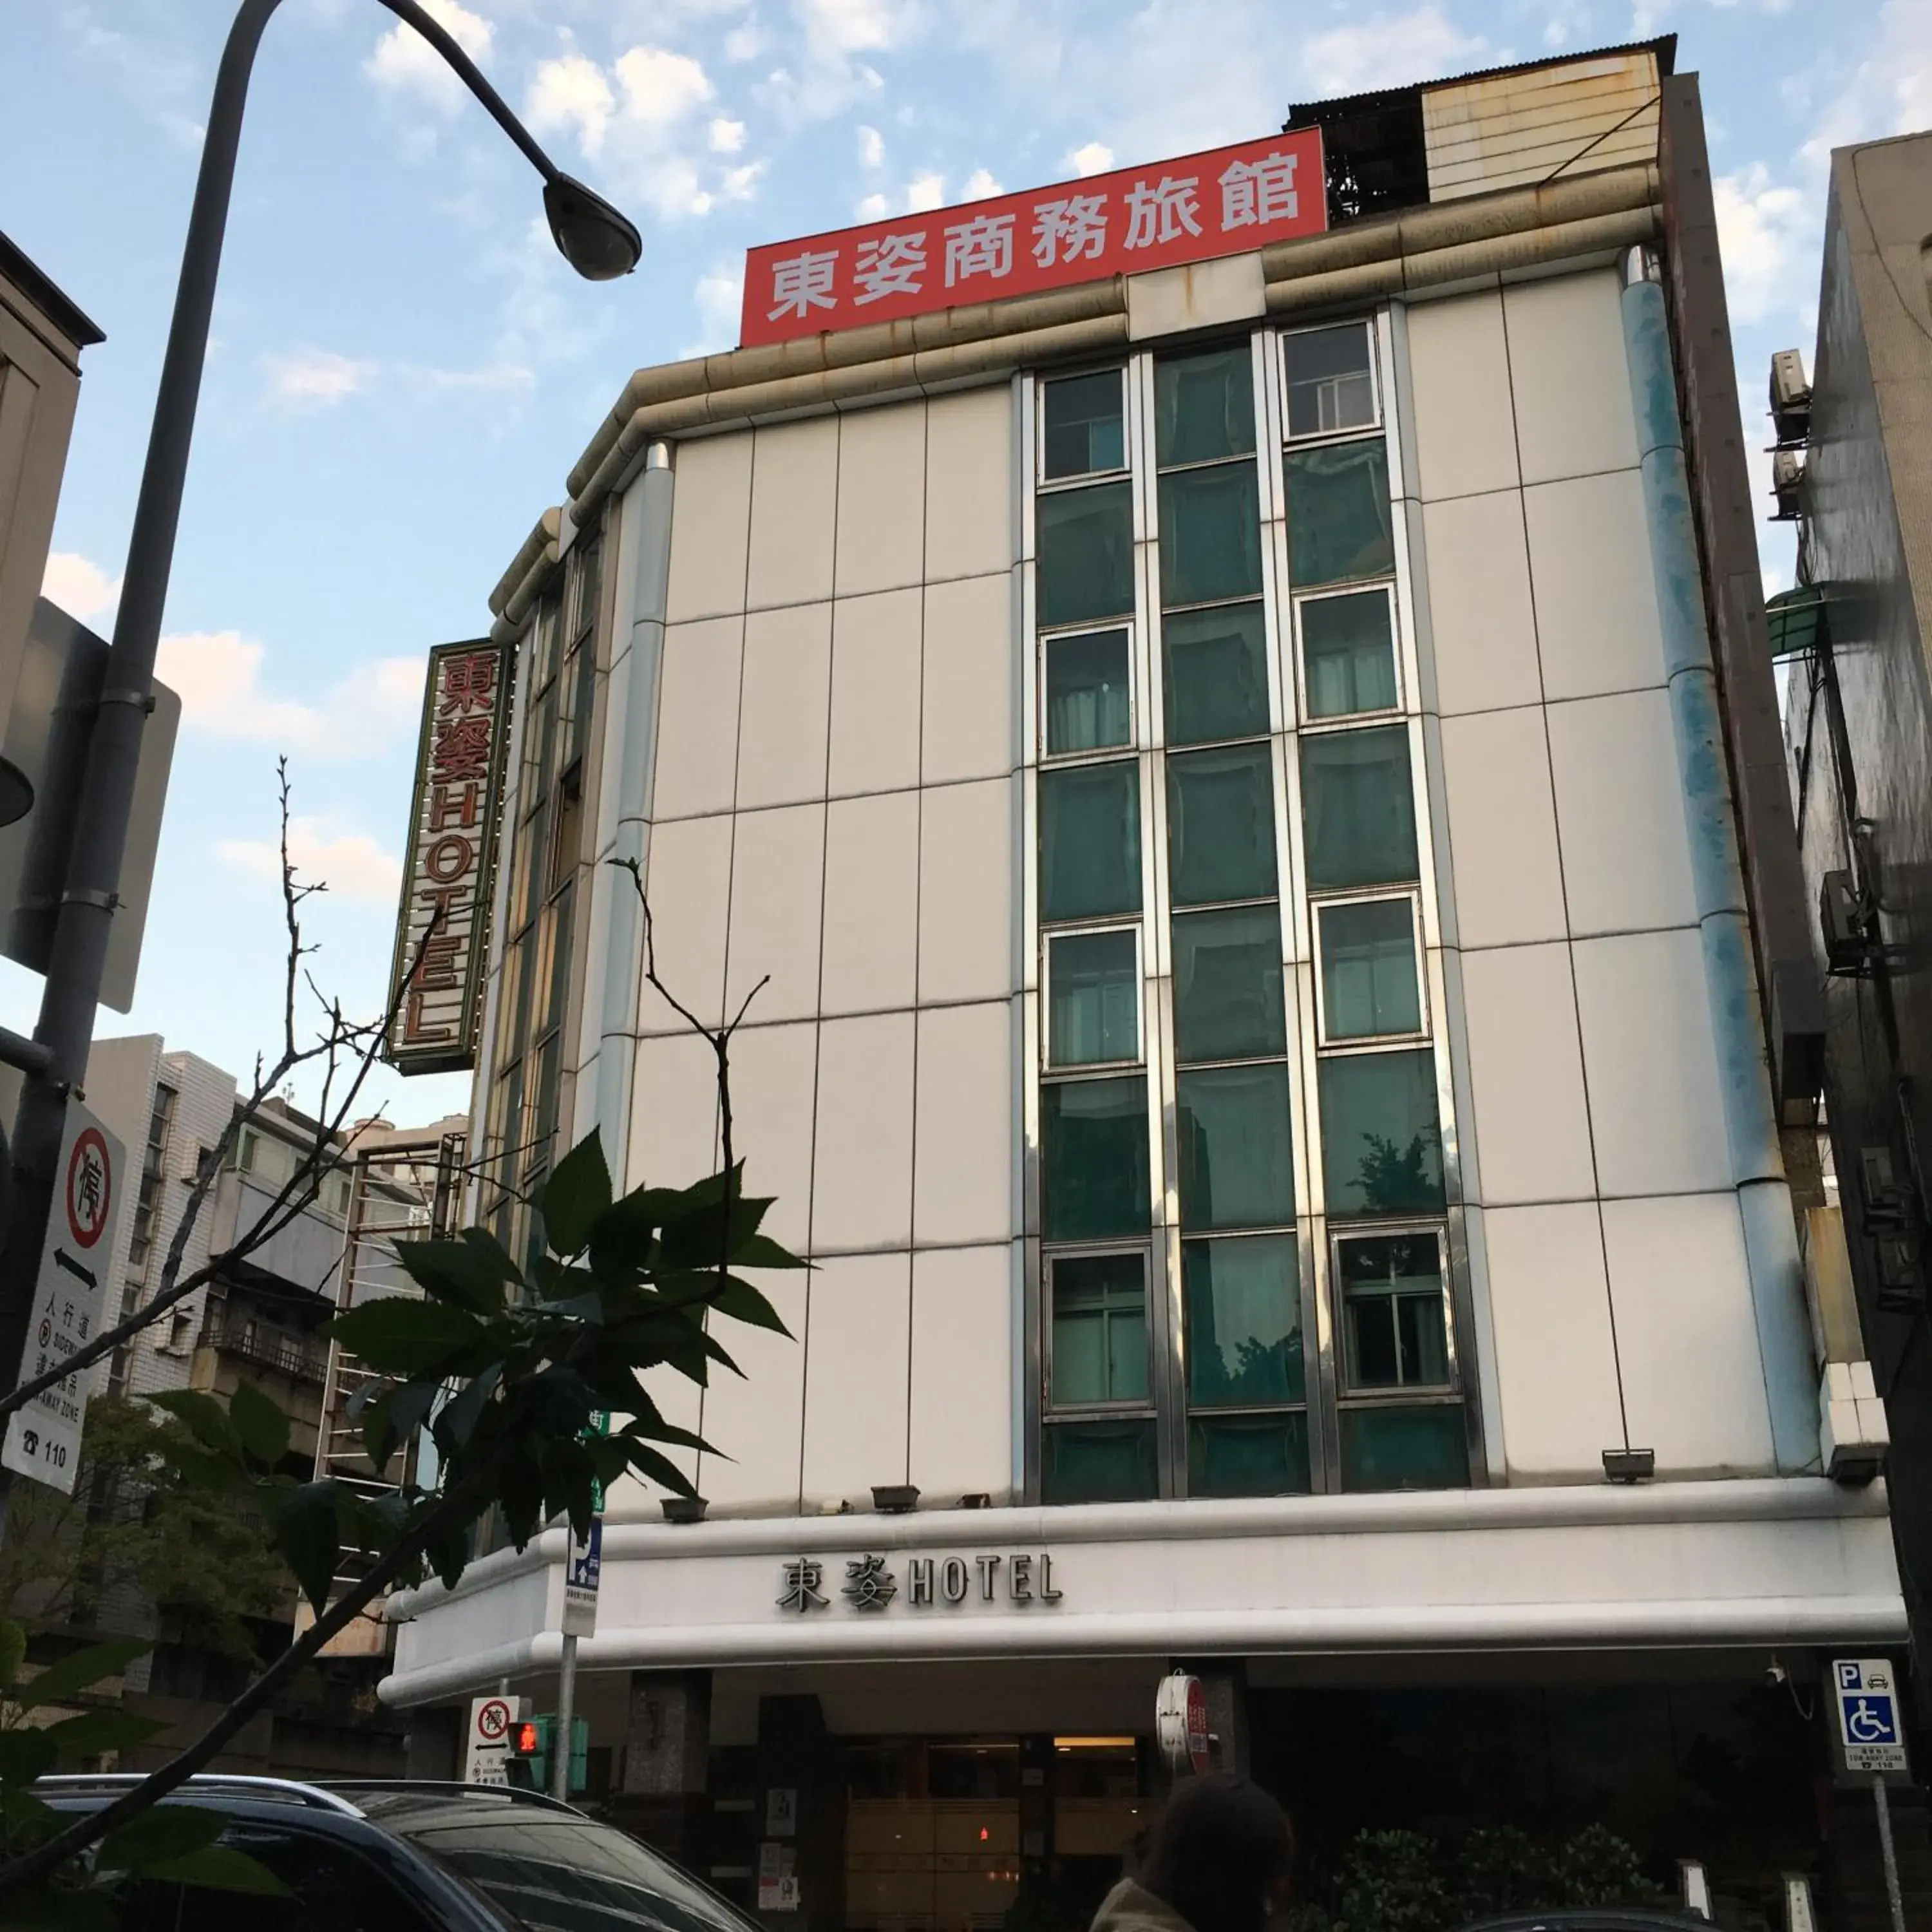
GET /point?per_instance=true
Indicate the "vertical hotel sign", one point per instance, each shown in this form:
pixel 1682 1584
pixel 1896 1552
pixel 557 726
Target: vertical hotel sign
pixel 442 929
pixel 1225 202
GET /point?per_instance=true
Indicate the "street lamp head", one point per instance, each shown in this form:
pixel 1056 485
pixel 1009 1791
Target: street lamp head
pixel 597 242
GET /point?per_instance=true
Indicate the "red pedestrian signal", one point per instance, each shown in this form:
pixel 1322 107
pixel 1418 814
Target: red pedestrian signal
pixel 527 1740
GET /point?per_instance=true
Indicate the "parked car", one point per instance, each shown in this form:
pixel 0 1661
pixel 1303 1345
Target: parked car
pixel 420 1857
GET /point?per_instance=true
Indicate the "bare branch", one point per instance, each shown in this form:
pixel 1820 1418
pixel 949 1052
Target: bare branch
pixel 341 1041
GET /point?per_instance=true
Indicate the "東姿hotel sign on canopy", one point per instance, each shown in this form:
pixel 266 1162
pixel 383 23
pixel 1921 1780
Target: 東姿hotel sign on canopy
pixel 1223 202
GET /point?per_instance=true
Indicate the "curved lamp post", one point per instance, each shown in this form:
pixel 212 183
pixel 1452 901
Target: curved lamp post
pixel 596 240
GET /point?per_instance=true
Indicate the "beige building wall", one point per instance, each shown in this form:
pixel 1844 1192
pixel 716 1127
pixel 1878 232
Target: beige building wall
pixel 1594 1159
pixel 835 805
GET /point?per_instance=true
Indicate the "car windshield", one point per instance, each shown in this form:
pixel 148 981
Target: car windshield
pixel 554 1873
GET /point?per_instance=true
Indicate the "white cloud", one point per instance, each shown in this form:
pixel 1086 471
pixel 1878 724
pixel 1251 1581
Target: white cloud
pixel 487 378
pixel 404 61
pixel 719 299
pixel 1889 92
pixel 873 208
pixel 744 43
pixel 725 137
pixel 1386 50
pixel 742 184
pixel 351 864
pixel 980 183
pixel 661 87
pixel 82 589
pixel 871 147
pixel 315 378
pixel 1762 228
pixel 1095 158
pixel 218 674
pixel 851 26
pixel 924 191
pixel 571 92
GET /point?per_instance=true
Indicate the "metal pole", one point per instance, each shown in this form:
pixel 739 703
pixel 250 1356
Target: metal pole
pixel 1894 1897
pixel 566 1697
pixel 78 955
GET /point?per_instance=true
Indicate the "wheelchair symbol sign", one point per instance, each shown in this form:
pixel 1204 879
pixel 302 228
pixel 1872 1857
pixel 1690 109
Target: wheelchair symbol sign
pixel 1868 1722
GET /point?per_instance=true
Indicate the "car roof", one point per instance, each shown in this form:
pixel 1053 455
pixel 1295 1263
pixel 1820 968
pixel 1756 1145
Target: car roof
pixel 1592 1918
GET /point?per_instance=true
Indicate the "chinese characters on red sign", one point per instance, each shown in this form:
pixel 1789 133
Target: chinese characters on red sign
pixel 1223 202
pixel 447 879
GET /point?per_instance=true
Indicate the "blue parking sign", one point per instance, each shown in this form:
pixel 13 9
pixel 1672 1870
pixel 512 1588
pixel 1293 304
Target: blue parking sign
pixel 1868 1721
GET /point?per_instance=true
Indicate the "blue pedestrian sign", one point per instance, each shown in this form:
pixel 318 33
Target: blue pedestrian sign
pixel 1868 1719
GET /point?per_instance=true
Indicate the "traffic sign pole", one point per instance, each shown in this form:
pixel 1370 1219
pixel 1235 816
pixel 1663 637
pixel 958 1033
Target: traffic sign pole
pixel 566 1701
pixel 1894 1897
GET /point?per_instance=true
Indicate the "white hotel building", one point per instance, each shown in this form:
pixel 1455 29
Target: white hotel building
pixel 1289 1042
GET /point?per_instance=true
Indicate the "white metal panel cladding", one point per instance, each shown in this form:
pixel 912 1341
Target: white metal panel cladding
pixel 438 974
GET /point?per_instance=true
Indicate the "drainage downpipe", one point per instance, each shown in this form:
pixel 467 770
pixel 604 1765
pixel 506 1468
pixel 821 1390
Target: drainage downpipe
pixel 1750 1123
pixel 632 739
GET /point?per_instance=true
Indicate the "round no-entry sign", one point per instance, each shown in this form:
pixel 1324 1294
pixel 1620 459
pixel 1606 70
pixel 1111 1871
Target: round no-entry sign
pixel 90 1187
pixel 493 1720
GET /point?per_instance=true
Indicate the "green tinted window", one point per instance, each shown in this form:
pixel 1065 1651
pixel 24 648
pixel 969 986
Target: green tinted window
pixel 1093 1158
pixel 1236 1146
pixel 1087 706
pixel 1369 983
pixel 1227 1002
pixel 1248 1455
pixel 1347 654
pixel 1203 405
pixel 1220 825
pixel 1093 998
pixel 1243 1322
pixel 1381 1145
pixel 1358 809
pixel 1404 1448
pixel 1210 534
pixel 1339 522
pixel 1089 841
pixel 1084 428
pixel 1086 544
pixel 1109 1462
pixel 1394 1329
pixel 1329 385
pixel 1099 1329
pixel 1217 672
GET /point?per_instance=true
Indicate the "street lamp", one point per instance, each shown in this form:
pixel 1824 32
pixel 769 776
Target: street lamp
pixel 593 237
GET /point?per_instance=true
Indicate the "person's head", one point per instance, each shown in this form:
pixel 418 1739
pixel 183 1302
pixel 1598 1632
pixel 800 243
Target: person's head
pixel 1219 1854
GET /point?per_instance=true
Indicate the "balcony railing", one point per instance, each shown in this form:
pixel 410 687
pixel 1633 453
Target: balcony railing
pixel 270 1349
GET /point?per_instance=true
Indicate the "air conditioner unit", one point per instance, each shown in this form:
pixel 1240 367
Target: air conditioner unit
pixel 1787 484
pixel 1790 396
pixel 1842 922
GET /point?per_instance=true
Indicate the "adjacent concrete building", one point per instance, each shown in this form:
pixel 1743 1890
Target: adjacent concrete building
pixel 1252 790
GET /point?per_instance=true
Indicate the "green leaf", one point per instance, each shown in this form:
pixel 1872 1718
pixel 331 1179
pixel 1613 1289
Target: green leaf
pixel 378 1429
pixel 262 1426
pixel 76 1671
pixel 26 1754
pixel 399 1336
pixel 93 1731
pixel 220 1868
pixel 660 1469
pixel 735 1297
pixel 458 1422
pixel 462 1272
pixel 761 1251
pixel 164 1831
pixel 307 1533
pixel 205 1417
pixel 577 1191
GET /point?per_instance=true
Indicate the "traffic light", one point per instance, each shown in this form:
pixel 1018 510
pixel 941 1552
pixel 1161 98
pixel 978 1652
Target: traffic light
pixel 531 1741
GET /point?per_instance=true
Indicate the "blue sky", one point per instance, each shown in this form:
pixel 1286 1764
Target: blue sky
pixel 403 371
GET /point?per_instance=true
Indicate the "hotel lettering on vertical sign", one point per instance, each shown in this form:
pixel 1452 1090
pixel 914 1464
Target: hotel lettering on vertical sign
pixel 1225 202
pixel 442 929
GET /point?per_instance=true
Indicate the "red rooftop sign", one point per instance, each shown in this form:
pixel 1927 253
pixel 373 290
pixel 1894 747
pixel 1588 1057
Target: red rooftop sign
pixel 1223 202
